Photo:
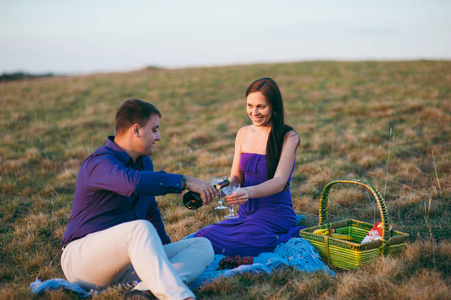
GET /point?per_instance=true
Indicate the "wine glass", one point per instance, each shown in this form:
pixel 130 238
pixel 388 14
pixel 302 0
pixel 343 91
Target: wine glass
pixel 213 181
pixel 229 190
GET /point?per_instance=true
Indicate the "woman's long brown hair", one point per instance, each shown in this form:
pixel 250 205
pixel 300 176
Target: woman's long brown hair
pixel 269 88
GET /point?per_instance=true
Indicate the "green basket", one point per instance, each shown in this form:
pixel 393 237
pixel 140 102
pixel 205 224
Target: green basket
pixel 351 254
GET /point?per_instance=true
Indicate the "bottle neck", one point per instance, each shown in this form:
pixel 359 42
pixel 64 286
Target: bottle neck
pixel 218 186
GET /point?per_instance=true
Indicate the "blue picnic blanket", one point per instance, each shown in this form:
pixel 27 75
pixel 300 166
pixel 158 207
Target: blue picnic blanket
pixel 38 287
pixel 296 252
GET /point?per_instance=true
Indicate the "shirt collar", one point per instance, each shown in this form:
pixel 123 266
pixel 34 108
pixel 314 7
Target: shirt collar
pixel 121 154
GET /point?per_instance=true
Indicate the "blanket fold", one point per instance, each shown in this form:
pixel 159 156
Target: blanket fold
pixel 39 286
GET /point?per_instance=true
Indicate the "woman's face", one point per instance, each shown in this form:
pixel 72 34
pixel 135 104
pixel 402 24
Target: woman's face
pixel 259 109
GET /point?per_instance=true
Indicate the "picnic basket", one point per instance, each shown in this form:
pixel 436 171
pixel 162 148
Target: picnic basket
pixel 352 254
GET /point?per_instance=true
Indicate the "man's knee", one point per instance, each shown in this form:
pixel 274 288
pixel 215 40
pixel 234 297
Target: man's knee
pixel 205 246
pixel 142 227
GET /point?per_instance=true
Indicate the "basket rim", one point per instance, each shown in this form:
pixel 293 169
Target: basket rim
pixel 399 238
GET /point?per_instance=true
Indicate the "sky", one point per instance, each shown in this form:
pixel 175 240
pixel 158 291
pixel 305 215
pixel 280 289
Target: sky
pixel 89 36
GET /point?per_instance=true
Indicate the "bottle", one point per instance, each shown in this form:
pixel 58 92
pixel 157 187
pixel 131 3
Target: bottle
pixel 193 201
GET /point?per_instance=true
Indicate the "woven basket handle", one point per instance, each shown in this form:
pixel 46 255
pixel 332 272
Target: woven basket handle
pixel 379 198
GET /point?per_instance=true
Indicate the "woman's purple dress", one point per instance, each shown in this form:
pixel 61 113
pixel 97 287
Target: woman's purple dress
pixel 263 223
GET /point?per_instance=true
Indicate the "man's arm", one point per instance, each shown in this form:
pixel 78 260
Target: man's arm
pixel 108 173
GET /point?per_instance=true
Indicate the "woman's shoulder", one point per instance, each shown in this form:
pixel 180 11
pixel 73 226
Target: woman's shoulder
pixel 292 137
pixel 244 130
pixel 291 134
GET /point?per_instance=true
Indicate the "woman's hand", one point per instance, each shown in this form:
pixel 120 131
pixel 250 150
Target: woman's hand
pixel 240 196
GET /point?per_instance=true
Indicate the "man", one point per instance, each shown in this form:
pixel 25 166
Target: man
pixel 115 233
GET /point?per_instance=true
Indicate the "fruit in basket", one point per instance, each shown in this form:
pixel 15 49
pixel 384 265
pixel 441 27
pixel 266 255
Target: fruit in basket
pixel 343 237
pixel 324 231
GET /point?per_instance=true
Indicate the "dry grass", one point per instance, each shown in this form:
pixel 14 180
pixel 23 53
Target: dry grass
pixel 343 112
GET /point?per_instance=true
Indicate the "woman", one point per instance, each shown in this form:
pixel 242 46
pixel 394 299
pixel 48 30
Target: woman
pixel 264 159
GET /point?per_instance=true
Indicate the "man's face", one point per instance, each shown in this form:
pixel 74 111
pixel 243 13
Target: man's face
pixel 149 134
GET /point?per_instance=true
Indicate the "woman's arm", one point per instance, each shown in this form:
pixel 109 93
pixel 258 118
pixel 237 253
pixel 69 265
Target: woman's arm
pixel 280 179
pixel 236 175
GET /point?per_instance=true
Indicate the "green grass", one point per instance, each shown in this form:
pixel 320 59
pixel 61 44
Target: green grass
pixel 343 112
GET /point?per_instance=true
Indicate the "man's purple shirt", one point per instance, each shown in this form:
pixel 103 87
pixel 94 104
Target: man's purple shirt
pixel 112 189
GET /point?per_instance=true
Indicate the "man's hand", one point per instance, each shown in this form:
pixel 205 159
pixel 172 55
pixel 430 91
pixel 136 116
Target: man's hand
pixel 206 191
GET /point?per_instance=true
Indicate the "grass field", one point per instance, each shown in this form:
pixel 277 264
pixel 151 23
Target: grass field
pixel 388 123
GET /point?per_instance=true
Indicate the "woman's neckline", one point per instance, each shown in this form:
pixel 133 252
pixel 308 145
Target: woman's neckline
pixel 253 153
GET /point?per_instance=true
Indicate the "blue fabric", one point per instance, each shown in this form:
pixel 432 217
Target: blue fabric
pixel 38 287
pixel 262 224
pixel 112 189
pixel 297 252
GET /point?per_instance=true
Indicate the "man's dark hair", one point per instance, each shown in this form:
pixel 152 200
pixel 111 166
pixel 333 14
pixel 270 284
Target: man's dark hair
pixel 133 111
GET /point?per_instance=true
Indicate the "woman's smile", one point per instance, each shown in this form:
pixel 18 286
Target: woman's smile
pixel 259 109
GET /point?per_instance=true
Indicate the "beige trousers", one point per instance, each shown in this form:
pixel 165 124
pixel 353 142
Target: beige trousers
pixel 133 251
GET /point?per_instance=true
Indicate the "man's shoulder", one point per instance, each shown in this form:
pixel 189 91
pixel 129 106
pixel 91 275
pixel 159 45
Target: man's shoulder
pixel 104 150
pixel 103 153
